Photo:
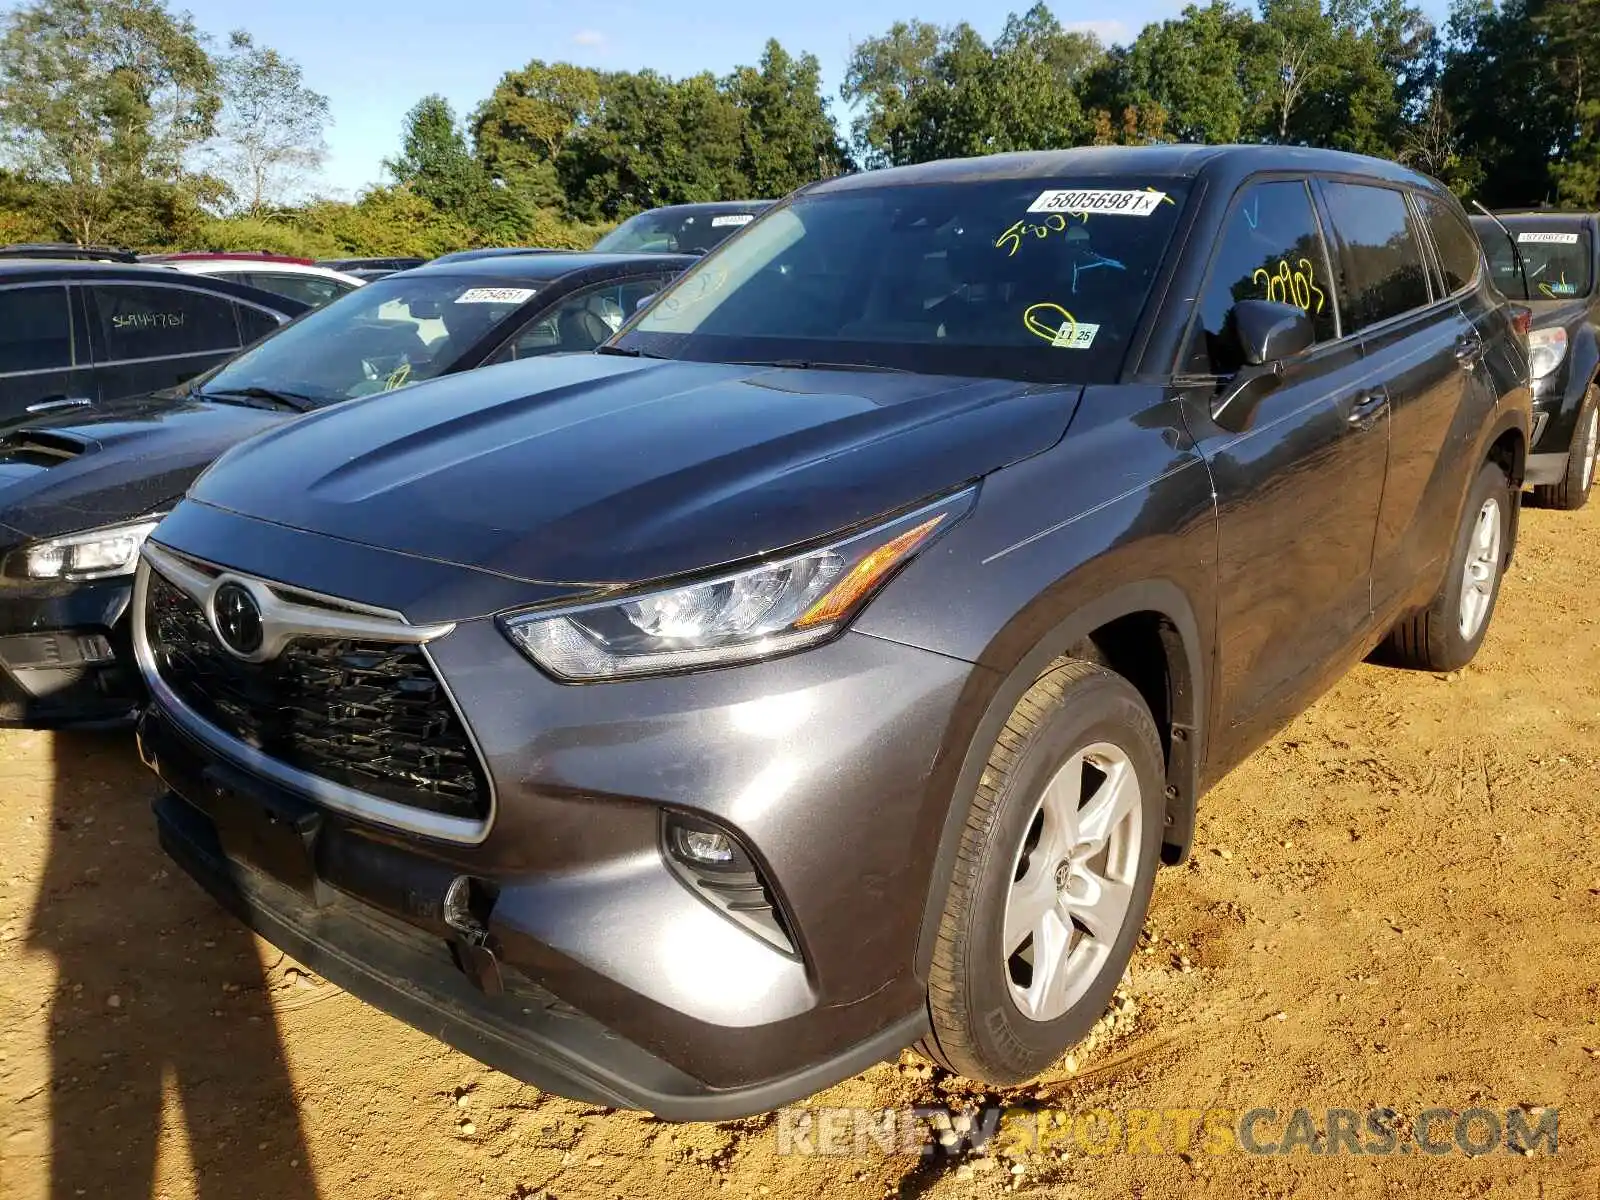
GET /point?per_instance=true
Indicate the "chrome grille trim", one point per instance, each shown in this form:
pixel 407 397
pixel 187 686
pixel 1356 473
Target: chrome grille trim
pixel 339 618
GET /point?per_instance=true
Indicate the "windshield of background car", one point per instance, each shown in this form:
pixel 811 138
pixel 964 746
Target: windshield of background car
pixel 397 330
pixel 1040 280
pixel 673 232
pixel 1558 259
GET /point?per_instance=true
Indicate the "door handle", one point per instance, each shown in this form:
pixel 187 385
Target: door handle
pixel 1469 351
pixel 1367 407
pixel 45 406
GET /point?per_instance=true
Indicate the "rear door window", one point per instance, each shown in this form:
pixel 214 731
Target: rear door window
pixel 1459 251
pixel 137 321
pixel 35 329
pixel 1382 269
pixel 1270 248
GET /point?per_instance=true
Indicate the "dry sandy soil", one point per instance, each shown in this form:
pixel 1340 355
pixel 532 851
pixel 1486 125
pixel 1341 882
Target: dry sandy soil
pixel 1396 903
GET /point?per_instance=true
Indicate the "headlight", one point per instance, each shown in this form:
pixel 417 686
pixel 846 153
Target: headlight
pixel 92 554
pixel 1547 348
pixel 769 609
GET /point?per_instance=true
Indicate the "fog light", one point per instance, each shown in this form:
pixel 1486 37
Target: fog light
pixel 722 873
pixel 706 847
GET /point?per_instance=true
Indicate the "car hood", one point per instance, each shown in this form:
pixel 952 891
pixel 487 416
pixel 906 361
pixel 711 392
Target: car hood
pixel 114 462
pixel 597 469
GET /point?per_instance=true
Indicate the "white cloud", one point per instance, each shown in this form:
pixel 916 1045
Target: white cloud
pixel 589 37
pixel 1109 30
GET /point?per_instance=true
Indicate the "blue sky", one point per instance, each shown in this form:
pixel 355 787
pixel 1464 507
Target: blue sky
pixel 373 59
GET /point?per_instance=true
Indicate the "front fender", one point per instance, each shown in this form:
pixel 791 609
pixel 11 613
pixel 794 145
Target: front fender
pixel 1054 566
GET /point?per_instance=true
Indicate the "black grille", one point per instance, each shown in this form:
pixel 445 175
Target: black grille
pixel 368 715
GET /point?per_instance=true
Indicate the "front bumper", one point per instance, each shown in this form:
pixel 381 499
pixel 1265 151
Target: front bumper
pixel 607 978
pixel 66 657
pixel 429 982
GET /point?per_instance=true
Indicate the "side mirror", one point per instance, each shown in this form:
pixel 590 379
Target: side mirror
pixel 1266 334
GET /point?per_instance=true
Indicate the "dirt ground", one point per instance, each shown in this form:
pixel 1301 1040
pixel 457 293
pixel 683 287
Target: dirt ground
pixel 1396 903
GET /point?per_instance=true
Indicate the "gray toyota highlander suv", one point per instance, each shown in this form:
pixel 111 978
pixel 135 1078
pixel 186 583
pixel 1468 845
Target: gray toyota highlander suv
pixel 827 664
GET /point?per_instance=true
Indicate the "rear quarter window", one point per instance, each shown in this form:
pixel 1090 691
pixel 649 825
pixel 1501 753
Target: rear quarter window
pixel 1458 247
pixel 136 321
pixel 1380 255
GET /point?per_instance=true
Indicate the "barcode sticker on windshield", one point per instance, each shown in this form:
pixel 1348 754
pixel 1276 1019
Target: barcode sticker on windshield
pixel 1111 203
pixel 735 219
pixel 501 295
pixel 1074 336
pixel 1548 239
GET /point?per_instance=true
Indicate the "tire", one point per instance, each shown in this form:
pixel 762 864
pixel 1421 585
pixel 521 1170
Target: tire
pixel 1013 859
pixel 1572 491
pixel 1440 637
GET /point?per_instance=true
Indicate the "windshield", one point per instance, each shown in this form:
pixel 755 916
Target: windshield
pixel 674 231
pixel 1039 280
pixel 397 330
pixel 1558 258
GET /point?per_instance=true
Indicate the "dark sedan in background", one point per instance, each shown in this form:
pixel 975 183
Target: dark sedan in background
pixel 79 494
pixel 73 332
pixel 1554 265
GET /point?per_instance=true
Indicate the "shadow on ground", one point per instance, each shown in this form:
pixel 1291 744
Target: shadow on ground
pixel 161 1012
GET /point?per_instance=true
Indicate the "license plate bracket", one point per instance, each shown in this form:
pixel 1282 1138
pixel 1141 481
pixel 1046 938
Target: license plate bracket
pixel 272 832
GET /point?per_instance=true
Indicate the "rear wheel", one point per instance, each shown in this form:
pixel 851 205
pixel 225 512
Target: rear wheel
pixel 1572 490
pixel 1446 635
pixel 1053 877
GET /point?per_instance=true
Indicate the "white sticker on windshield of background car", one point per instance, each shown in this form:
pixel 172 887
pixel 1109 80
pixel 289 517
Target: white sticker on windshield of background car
pixel 1548 239
pixel 495 295
pixel 736 219
pixel 1115 203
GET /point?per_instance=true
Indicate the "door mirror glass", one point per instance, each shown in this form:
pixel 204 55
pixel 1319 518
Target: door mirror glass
pixel 1266 331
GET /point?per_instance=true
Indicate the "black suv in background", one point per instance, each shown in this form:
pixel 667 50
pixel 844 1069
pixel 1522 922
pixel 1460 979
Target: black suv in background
pixel 74 333
pixel 828 663
pixel 682 228
pixel 1552 260
pixel 79 491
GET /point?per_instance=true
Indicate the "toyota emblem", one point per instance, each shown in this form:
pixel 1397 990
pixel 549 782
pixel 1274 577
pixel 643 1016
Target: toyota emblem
pixel 238 619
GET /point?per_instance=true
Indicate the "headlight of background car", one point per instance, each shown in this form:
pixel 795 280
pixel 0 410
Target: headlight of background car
pixel 92 554
pixel 1546 350
pixel 767 609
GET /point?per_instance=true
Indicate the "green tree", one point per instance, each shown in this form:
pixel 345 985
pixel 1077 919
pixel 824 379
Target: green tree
pixel 101 101
pixel 1571 30
pixel 521 129
pixel 789 137
pixel 270 134
pixel 1192 69
pixel 896 81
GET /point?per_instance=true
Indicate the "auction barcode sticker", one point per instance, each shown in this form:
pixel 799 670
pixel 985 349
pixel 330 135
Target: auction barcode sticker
pixel 495 295
pixel 736 219
pixel 1549 239
pixel 1107 201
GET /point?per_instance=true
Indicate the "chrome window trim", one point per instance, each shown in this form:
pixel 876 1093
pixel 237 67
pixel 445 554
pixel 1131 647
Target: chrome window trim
pixel 372 622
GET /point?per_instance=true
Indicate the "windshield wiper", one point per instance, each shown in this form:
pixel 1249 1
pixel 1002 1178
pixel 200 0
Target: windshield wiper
pixel 811 364
pixel 627 352
pixel 293 401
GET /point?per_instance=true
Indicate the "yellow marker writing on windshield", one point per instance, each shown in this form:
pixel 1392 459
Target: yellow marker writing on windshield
pixel 1036 316
pixel 397 377
pixel 1054 223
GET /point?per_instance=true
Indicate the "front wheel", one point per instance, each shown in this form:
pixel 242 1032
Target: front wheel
pixel 1446 635
pixel 1053 877
pixel 1572 490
